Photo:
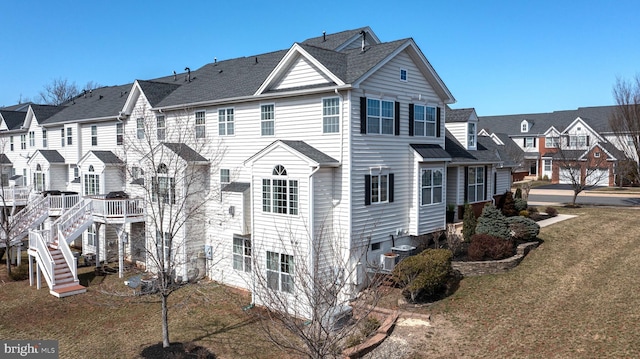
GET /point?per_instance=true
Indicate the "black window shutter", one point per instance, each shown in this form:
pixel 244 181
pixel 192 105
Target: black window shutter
pixel 397 118
pixel 466 184
pixel 363 115
pixel 438 121
pixel 410 119
pixel 367 190
pixel 524 142
pixel 534 141
pixel 486 187
pixel 390 187
pixel 568 141
pixel 587 141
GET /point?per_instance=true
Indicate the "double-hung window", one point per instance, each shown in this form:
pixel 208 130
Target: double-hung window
pixel 94 135
pixel 91 182
pixel 23 142
pixel 378 187
pixel 331 115
pixel 225 176
pixel 267 120
pixel 32 139
pixel 44 138
pixel 91 235
pixel 551 142
pixel 529 142
pixel 279 193
pixel 380 116
pixel 119 133
pixel 163 247
pixel 11 143
pixel 201 124
pixel 547 165
pixel 140 128
pixel 424 118
pixel 475 184
pixel 39 179
pixel 471 135
pixel 431 186
pixel 62 137
pixel 160 128
pixel 69 136
pixel 226 122
pixel 242 254
pixel 280 272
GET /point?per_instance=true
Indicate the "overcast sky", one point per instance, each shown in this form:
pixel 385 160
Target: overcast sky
pixel 501 57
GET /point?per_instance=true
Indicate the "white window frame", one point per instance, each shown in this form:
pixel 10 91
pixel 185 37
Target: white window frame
pixel 44 138
pixel 476 184
pixel 379 119
pixel 242 254
pixel 331 115
pixel 201 124
pixel 551 141
pixel 547 165
pixel 91 182
pixel 38 179
pixel 280 272
pixel 529 142
pixel 62 139
pixel 431 192
pixel 163 187
pixel 471 134
pixel 119 134
pixel 161 127
pixel 280 194
pixel 379 188
pixel 267 119
pixel 11 143
pixel 94 135
pixel 92 236
pixel 140 130
pixel 23 142
pixel 225 175
pixel 69 136
pixel 404 75
pixel 424 120
pixel 32 138
pixel 226 121
pixel 524 126
pixel 596 154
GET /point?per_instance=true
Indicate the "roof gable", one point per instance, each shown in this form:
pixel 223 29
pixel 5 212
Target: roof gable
pixel 300 149
pixel 51 156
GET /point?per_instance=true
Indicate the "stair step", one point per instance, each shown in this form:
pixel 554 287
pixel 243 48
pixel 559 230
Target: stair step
pixel 66 291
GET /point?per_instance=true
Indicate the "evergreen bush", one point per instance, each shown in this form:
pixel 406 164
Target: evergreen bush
pixel 468 222
pixel 425 275
pixel 522 228
pixel 508 205
pixel 520 204
pixel 493 222
pixel 518 194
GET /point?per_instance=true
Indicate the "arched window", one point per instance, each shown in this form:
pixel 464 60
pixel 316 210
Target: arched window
pixel 39 179
pixel 163 188
pixel 91 182
pixel 279 193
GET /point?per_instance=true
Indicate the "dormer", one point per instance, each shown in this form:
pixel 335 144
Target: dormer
pixel 463 125
pixel 524 126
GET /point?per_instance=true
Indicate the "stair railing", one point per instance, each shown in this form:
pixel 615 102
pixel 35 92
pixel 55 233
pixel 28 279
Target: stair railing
pixel 43 256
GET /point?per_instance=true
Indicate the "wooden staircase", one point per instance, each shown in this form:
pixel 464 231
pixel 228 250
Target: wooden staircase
pixel 65 283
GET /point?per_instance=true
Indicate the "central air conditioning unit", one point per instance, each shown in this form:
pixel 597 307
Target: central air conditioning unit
pixel 388 261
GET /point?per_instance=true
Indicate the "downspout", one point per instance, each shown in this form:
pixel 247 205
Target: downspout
pixel 311 223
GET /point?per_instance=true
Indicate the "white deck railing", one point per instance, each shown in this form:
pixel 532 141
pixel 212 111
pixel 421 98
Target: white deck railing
pixel 66 253
pixel 63 202
pixel 38 242
pixel 24 219
pixel 13 194
pixel 117 208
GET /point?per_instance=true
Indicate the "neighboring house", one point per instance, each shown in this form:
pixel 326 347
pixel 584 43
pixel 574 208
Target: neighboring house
pixel 340 137
pixel 545 138
pixel 480 167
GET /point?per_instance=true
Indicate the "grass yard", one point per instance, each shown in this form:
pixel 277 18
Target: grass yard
pixel 576 296
pixel 99 324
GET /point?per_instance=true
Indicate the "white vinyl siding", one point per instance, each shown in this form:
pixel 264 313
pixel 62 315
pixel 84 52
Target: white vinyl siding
pixel 301 73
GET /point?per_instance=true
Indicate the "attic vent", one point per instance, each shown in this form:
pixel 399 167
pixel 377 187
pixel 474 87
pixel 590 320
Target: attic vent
pixel 256 59
pixel 215 60
pixel 100 98
pixel 324 36
pixel 364 39
pixel 175 76
pixel 188 77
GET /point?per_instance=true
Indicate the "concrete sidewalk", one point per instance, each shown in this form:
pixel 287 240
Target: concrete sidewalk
pixel 556 219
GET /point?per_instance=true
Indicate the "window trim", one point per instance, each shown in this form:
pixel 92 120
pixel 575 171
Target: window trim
pixel 378 118
pixel 200 124
pixel 476 184
pixel 119 134
pixel 281 266
pixel 161 128
pixel 91 182
pixel 471 135
pixel 280 193
pixel 94 135
pixel 226 121
pixel 432 186
pixel 225 175
pixel 32 138
pixel 62 137
pixel 404 72
pixel 140 130
pixel 241 254
pixel 266 121
pixel 424 120
pixel 45 142
pixel 69 136
pixel 23 142
pixel 331 121
pixel 551 141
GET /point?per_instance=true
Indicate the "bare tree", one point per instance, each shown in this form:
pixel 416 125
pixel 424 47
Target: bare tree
pixel 172 169
pixel 310 293
pixel 91 85
pixel 625 123
pixel 58 91
pixel 580 168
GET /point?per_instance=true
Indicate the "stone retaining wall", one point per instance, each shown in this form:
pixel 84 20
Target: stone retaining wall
pixel 469 269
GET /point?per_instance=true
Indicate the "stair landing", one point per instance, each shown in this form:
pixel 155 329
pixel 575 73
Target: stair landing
pixel 68 290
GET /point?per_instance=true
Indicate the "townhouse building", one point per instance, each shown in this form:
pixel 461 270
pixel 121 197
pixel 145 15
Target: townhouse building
pixel 341 141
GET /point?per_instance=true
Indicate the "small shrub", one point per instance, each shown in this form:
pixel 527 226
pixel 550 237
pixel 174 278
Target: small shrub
pixel 492 222
pixel 532 209
pixel 523 229
pixel 454 241
pixel 551 211
pixel 353 340
pixel 545 178
pixel 468 222
pixel 524 213
pixel 369 326
pixel 518 194
pixel 425 275
pixel 486 247
pixel 520 204
pixel 508 207
pixel 20 272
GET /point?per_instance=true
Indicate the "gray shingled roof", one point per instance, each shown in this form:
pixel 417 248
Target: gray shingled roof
pixel 310 152
pixel 13 119
pixel 486 152
pixel 21 107
pixel 4 160
pixel 494 151
pixel 157 91
pixel 99 103
pixel 45 112
pixel 52 156
pixel 237 187
pixel 431 151
pixel 333 41
pixel 185 152
pixel 107 157
pixel 596 117
pixel 458 115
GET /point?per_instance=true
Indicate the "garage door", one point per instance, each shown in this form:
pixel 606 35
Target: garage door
pixel 598 177
pixel 565 176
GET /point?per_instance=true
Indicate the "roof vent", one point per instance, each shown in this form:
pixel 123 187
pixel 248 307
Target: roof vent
pixel 256 59
pixel 175 76
pixel 364 39
pixel 215 60
pixel 188 77
pixel 324 36
pixel 100 98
